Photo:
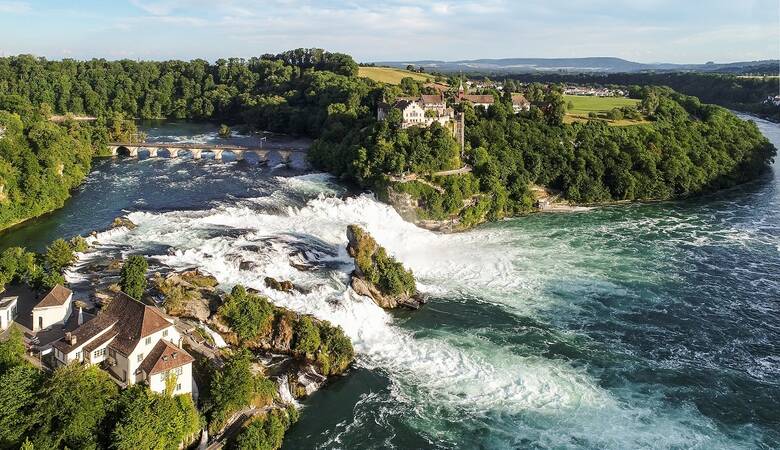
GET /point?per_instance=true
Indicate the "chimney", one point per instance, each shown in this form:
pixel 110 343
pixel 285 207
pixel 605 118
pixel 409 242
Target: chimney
pixel 70 338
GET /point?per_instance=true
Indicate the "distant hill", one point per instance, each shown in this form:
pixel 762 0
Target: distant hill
pixel 579 65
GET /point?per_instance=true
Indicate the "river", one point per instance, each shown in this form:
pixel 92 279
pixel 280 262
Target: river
pixel 640 326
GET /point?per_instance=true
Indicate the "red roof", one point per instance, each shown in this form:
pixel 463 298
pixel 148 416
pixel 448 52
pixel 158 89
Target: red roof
pixel 164 357
pixel 57 296
pixel 129 319
pixel 478 98
pixel 519 99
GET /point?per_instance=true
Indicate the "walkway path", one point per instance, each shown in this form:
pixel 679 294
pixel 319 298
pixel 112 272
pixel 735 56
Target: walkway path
pixel 443 173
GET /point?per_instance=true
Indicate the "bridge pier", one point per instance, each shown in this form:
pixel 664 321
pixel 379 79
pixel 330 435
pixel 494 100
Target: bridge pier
pixel 197 149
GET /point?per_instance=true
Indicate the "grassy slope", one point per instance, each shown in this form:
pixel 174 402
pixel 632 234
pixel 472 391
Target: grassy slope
pixel 389 75
pixel 600 105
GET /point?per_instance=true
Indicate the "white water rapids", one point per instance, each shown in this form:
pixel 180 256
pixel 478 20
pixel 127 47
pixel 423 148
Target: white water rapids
pixel 448 373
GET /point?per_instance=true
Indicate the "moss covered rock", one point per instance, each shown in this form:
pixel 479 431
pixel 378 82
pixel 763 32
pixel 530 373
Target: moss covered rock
pixel 378 275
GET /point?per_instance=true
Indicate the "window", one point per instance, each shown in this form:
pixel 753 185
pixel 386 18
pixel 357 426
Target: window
pixel 148 340
pixel 178 371
pixel 165 333
pixel 78 356
pixel 178 386
pixel 99 352
pixel 140 357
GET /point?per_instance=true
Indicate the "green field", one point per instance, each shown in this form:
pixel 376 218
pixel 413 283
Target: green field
pixel 584 105
pixel 389 75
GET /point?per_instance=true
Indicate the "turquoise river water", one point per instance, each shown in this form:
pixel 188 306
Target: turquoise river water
pixel 641 326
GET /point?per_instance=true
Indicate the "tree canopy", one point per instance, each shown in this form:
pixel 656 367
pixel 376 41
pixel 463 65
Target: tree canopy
pixel 133 276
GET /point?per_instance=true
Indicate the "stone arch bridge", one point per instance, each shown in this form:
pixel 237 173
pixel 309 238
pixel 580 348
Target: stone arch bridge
pixel 197 150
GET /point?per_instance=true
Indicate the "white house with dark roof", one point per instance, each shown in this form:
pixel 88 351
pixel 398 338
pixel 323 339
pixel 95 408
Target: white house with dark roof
pixel 8 311
pixel 134 342
pixel 53 309
pixel 419 111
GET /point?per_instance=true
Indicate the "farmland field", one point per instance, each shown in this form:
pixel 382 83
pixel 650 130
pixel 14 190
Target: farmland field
pixel 584 105
pixel 390 75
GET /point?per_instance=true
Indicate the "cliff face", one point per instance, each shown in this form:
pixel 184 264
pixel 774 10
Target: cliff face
pixel 379 276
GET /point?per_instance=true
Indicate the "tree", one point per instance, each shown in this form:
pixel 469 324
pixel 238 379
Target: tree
pixel 12 350
pixel 17 403
pixel 72 406
pixel 265 432
pixel 58 256
pixel 235 386
pixel 154 421
pixel 133 276
pixel 224 131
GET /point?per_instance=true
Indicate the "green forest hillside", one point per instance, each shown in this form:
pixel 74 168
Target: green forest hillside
pixel 685 148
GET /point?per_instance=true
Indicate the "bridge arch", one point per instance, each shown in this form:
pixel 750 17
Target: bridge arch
pixel 123 150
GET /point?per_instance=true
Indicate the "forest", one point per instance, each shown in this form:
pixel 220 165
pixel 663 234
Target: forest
pixel 686 148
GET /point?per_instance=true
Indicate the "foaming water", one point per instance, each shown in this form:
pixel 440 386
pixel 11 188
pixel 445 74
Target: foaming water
pixel 645 326
pixel 450 382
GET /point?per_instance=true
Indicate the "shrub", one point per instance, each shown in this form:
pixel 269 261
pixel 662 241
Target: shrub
pixel 248 315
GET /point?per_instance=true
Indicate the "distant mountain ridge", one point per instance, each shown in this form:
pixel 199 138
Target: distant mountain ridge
pixel 591 64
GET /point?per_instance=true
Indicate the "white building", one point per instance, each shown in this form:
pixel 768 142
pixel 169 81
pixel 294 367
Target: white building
pixel 54 309
pixel 419 111
pixel 7 311
pixel 134 342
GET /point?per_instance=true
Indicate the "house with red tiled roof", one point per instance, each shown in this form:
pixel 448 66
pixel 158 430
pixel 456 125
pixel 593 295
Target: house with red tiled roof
pixel 53 309
pixel 519 102
pixel 134 342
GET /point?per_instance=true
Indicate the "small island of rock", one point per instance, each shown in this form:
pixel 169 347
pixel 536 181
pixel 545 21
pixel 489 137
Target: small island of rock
pixel 378 275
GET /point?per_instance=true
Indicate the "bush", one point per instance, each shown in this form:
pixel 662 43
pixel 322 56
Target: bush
pixel 266 432
pixel 336 352
pixel 235 386
pixel 249 315
pixel 307 337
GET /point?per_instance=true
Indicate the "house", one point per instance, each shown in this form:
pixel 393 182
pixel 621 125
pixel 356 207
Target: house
pixel 54 309
pixel 8 311
pixel 520 103
pixel 134 342
pixel 419 111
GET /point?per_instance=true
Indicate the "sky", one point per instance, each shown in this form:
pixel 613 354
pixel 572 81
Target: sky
pixel 675 31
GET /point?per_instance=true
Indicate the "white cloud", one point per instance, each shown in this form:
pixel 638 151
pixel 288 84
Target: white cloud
pixel 14 7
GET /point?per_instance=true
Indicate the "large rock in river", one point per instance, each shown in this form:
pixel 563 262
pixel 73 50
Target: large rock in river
pixel 378 275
